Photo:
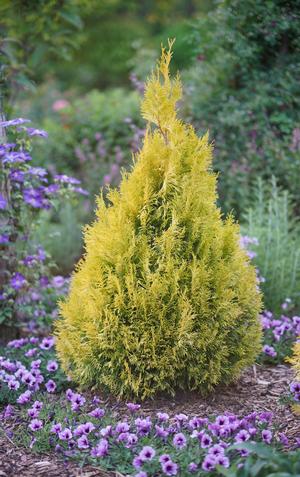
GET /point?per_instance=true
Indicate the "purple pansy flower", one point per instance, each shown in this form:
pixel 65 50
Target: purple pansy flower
pixel 147 453
pixel 169 468
pixel 101 449
pixel 36 425
pixel 50 386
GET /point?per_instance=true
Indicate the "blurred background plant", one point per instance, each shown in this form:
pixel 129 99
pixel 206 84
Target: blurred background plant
pixel 244 87
pixel 276 254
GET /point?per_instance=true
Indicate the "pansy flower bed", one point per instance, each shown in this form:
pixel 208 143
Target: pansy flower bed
pixel 51 416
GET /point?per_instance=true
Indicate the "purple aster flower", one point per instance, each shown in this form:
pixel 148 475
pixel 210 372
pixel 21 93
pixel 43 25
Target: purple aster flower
pixel 36 132
pixel 192 467
pixel 267 436
pixel 64 179
pixel 52 366
pixel 101 449
pixel 147 453
pixel 35 198
pixel 141 473
pixel 14 122
pixel 44 281
pixel 169 468
pixel 83 442
pixel 208 463
pixel 16 157
pixel 17 176
pixel 56 428
pixel 97 413
pixel 17 281
pixel 4 238
pixel 65 434
pixel 38 172
pixel 58 281
pixel 50 386
pixel 36 425
pixel 133 407
pixel 3 202
pixel 179 440
pixel 206 441
pixel 81 191
pixel 24 398
pixel 51 189
pixel 47 343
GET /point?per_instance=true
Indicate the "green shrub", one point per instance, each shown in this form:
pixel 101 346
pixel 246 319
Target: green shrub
pixel 165 296
pixel 264 461
pixel 85 136
pixel 244 89
pixel 61 235
pixel 271 221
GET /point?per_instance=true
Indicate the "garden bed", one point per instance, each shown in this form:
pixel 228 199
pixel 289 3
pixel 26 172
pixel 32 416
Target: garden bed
pixel 260 388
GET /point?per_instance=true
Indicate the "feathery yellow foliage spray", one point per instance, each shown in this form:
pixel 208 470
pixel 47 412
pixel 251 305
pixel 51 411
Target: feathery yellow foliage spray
pixel 165 297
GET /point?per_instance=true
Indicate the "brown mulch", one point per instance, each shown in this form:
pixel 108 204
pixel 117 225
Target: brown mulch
pixel 259 389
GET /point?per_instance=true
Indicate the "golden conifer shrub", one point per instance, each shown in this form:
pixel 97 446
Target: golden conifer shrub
pixel 165 297
pixel 295 359
pixel 295 362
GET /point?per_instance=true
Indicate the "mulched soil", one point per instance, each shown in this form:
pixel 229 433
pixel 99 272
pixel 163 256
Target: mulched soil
pixel 259 389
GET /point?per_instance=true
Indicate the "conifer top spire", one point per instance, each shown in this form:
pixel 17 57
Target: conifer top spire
pixel 162 93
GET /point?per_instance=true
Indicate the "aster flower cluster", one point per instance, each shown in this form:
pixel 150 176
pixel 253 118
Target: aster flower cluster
pixel 25 191
pixel 280 333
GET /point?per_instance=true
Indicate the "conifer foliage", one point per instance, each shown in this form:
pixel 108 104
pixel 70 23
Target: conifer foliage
pixel 165 297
